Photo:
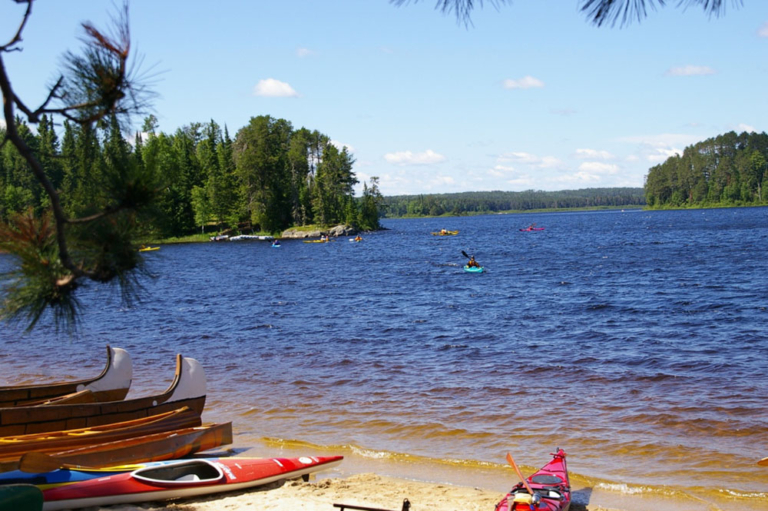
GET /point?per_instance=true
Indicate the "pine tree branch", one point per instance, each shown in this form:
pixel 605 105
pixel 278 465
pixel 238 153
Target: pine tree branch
pixel 17 37
pixel 25 151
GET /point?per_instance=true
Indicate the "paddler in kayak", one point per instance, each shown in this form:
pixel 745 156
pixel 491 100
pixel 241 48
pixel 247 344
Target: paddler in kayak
pixel 472 263
pixel 358 238
pixel 443 231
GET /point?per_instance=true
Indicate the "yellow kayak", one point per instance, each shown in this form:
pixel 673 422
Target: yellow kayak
pixel 446 233
pixel 148 249
pixel 316 241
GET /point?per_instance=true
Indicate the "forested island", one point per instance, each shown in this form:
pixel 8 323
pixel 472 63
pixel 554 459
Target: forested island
pixel 469 203
pixel 727 170
pixel 268 178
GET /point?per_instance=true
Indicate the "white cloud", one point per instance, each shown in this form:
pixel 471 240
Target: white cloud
pixel 428 157
pixel 2 123
pixel 597 167
pixel 763 31
pixel 745 127
pixel 659 155
pixel 542 162
pixel 272 88
pixel 591 153
pixel 131 138
pixel 578 177
pixel 526 82
pixel 341 145
pixel 304 52
pixel 501 171
pixel 690 71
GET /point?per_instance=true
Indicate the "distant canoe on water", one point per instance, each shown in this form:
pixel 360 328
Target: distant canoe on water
pixel 188 389
pixel 111 385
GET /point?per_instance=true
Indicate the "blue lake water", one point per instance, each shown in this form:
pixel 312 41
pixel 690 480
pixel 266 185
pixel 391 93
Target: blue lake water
pixel 635 340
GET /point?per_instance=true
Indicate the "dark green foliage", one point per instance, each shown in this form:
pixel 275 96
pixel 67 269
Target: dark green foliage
pixel 728 170
pixel 493 202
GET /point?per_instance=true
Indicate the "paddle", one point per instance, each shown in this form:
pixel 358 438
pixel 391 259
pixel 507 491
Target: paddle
pixel 38 462
pixel 763 462
pixel 511 461
pixel 465 255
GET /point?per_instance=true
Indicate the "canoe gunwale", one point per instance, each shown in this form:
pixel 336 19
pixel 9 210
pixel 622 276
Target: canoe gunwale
pixel 40 393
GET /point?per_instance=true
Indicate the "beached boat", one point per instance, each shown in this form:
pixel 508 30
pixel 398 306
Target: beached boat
pixel 12 447
pixel 183 479
pixel 445 233
pixel 168 445
pixel 188 389
pixel 111 385
pixel 550 485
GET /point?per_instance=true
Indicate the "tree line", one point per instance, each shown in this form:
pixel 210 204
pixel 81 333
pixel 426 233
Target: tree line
pixel 727 170
pixel 268 178
pixel 497 201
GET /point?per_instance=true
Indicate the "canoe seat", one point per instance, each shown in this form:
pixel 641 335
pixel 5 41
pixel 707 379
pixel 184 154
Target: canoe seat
pixel 189 477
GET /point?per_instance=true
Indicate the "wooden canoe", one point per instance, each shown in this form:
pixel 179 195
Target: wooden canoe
pixel 167 445
pixel 188 389
pixel 12 447
pixel 111 385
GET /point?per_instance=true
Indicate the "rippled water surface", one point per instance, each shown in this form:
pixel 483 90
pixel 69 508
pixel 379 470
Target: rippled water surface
pixel 634 340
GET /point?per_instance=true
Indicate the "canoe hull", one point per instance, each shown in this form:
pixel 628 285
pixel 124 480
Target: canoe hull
pixel 188 389
pixel 12 447
pixel 236 474
pixel 111 385
pixel 473 269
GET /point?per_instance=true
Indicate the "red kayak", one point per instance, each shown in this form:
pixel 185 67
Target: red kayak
pixel 182 479
pixel 550 484
pixel 528 229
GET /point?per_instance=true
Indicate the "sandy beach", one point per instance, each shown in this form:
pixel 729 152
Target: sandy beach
pixel 369 490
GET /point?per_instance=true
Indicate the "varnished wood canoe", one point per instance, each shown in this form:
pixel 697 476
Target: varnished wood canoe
pixel 12 447
pixel 188 389
pixel 163 446
pixel 111 385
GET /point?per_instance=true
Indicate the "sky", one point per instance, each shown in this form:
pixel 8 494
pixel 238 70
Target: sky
pixel 529 96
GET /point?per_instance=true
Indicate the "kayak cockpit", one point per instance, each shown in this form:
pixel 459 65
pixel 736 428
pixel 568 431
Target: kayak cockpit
pixel 187 473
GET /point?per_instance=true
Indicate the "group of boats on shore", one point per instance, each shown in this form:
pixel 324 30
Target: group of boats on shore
pixel 69 445
pixel 78 444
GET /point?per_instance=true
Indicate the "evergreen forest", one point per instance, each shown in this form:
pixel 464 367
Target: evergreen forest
pixel 727 170
pixel 455 204
pixel 268 178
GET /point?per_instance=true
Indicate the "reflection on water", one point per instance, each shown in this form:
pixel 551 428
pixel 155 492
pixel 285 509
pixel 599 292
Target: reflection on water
pixel 633 340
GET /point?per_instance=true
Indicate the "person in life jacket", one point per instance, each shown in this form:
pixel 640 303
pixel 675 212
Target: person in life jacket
pixel 472 263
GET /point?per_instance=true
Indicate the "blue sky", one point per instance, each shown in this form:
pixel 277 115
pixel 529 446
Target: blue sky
pixel 531 96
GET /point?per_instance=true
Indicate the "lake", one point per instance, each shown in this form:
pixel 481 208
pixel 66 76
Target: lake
pixel 635 340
